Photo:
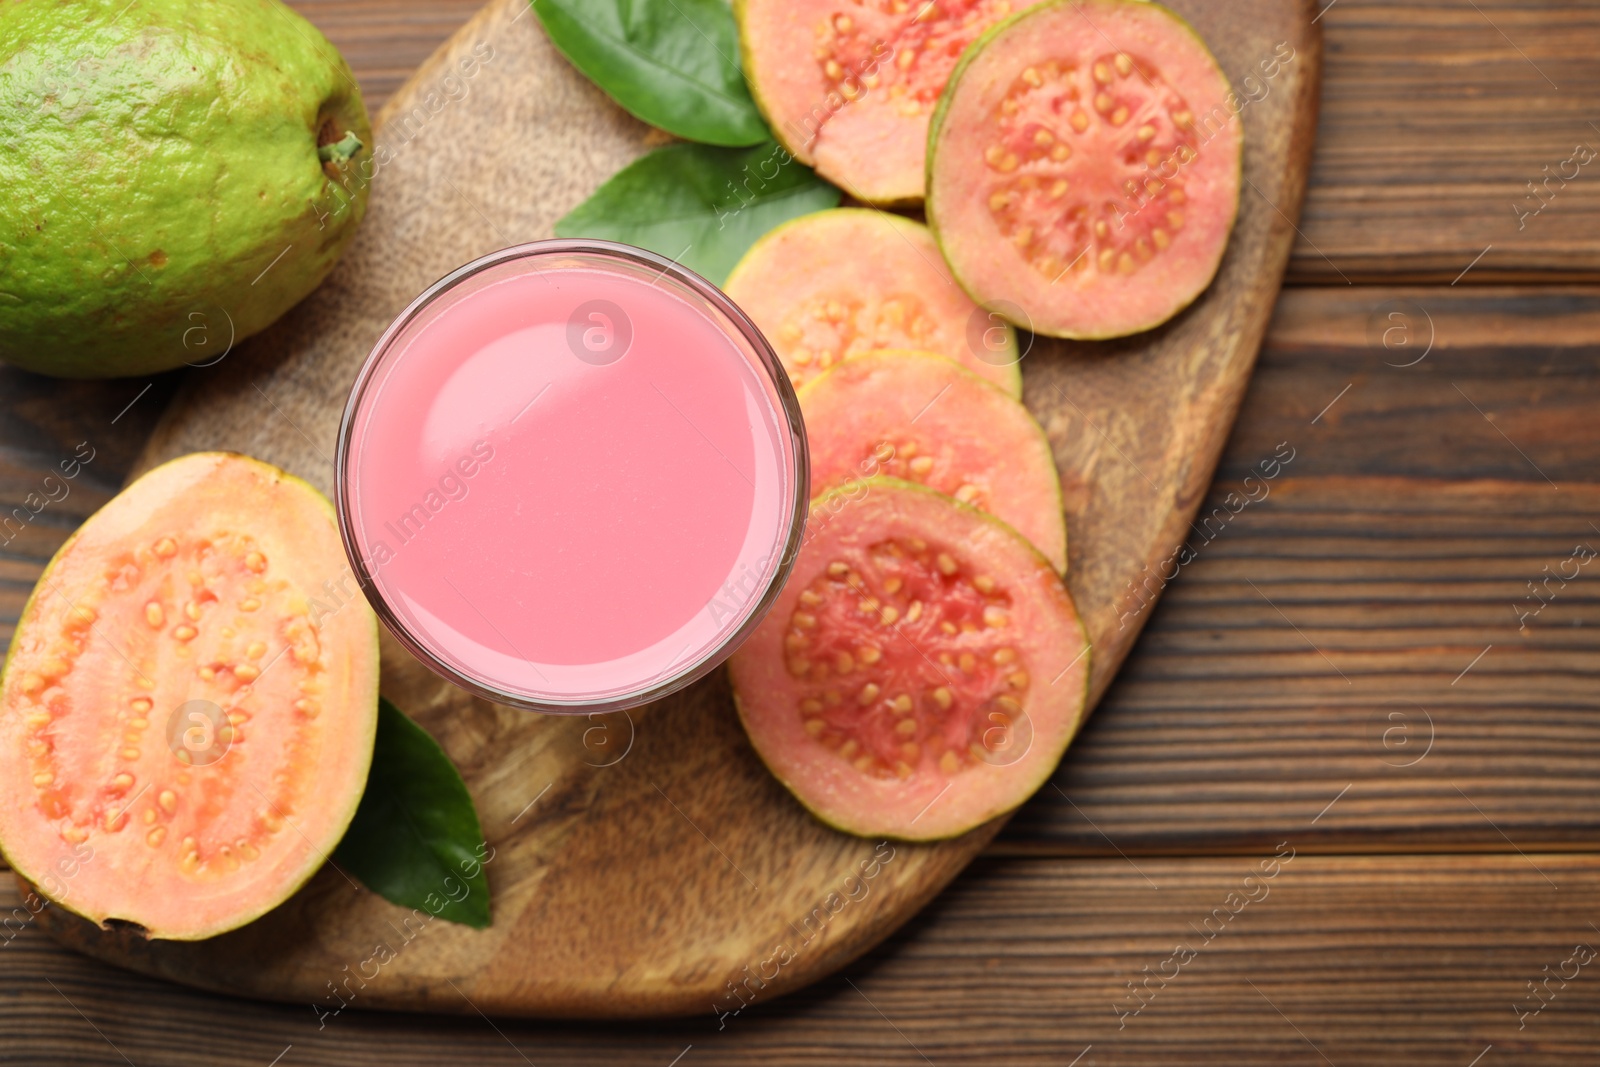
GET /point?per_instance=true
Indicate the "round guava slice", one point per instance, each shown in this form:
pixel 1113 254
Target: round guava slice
pixel 922 671
pixel 848 85
pixel 188 709
pixel 1084 167
pixel 921 418
pixel 839 283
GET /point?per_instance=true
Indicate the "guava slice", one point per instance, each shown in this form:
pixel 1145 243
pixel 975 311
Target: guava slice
pixel 922 671
pixel 1084 167
pixel 919 417
pixel 839 283
pixel 848 85
pixel 188 709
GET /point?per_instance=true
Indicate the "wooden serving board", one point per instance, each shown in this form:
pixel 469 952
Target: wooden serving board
pixel 643 863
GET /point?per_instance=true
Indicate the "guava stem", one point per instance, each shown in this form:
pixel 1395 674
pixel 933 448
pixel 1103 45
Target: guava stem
pixel 340 150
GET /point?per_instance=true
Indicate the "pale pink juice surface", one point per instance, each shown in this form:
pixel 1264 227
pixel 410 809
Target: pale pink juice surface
pixel 560 527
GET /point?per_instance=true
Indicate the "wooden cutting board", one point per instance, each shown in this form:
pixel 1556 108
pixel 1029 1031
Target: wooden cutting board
pixel 644 862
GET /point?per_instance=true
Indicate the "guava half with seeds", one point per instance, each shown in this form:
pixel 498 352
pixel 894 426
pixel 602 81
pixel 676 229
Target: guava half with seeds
pixel 922 671
pixel 849 85
pixel 843 282
pixel 919 417
pixel 1084 167
pixel 188 708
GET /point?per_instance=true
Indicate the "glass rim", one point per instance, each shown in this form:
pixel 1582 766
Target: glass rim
pixel 788 407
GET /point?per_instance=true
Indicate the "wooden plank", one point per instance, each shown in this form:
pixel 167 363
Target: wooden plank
pixel 1436 116
pixel 1407 323
pixel 1346 960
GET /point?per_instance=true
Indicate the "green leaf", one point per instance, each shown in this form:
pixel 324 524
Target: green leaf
pixel 672 63
pixel 701 206
pixel 415 840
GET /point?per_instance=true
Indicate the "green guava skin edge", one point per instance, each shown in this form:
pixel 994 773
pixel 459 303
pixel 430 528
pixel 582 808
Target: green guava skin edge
pixel 161 191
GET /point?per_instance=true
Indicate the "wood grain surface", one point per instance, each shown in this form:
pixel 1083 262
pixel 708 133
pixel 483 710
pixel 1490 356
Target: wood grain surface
pixel 1324 634
pixel 1384 959
pixel 1377 959
pixel 1348 960
pixel 493 140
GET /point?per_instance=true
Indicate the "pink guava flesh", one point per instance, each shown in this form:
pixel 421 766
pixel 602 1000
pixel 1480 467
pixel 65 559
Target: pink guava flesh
pixel 847 281
pixel 922 671
pixel 849 85
pixel 1085 168
pixel 919 417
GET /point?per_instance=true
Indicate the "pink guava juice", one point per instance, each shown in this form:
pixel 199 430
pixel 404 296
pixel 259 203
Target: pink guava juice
pixel 572 476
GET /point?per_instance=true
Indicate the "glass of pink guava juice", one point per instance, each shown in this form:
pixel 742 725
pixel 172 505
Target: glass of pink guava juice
pixel 572 477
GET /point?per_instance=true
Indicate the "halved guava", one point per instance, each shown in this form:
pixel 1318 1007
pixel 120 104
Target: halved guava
pixel 922 671
pixel 848 85
pixel 920 417
pixel 839 283
pixel 188 709
pixel 1084 167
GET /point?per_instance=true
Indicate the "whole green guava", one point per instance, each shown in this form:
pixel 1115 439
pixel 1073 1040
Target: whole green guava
pixel 174 175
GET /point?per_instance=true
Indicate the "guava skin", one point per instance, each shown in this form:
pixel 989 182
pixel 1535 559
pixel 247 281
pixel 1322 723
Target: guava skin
pixel 161 191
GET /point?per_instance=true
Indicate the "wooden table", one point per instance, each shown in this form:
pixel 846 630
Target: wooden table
pixel 1379 669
